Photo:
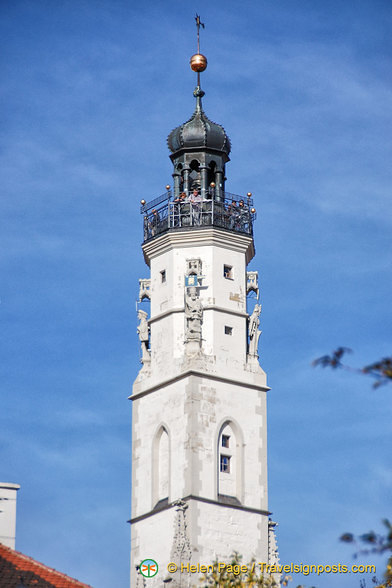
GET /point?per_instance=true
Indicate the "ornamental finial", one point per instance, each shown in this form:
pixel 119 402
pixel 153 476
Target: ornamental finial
pixel 198 61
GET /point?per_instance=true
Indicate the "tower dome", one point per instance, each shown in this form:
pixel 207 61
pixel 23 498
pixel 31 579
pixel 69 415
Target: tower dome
pixel 199 131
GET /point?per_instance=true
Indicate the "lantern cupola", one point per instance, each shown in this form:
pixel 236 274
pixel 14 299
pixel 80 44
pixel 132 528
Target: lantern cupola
pixel 199 152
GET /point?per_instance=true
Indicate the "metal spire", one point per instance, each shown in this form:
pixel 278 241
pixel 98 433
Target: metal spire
pixel 198 63
pixel 198 25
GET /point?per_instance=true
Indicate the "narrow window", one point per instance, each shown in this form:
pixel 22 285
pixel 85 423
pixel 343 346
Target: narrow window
pixel 160 466
pixel 225 464
pixel 163 276
pixel 229 458
pixel 228 272
pixel 163 466
pixel 228 330
pixel 225 440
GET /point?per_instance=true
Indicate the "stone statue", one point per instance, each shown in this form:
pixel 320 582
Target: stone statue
pixel 253 330
pixel 143 331
pixel 193 315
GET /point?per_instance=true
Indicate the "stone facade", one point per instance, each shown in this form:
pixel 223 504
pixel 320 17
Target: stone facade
pixel 199 440
pixel 199 414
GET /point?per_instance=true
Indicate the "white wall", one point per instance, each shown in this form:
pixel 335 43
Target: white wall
pixel 191 398
pixel 8 494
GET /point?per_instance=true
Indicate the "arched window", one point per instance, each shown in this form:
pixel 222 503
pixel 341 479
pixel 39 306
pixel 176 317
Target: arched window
pixel 211 172
pixel 194 176
pixel 180 180
pixel 161 466
pixel 229 458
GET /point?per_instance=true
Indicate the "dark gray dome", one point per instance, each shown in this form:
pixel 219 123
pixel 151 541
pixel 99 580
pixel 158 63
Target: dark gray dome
pixel 199 131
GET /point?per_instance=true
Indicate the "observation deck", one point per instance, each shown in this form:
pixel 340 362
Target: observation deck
pixel 168 213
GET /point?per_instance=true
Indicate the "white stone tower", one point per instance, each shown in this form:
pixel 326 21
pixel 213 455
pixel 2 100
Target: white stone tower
pixel 199 444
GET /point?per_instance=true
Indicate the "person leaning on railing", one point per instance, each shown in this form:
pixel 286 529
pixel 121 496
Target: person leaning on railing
pixel 234 216
pixel 185 209
pixel 177 208
pixel 195 200
pixel 154 222
pixel 146 227
pixel 243 211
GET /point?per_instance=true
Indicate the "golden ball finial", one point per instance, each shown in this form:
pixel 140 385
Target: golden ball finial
pixel 198 62
pixel 142 202
pixel 253 210
pixel 167 187
pixel 249 194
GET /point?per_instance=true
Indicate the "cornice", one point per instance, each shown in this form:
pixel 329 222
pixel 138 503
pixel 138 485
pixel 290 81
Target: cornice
pixel 201 374
pixel 199 237
pixel 205 308
pixel 201 499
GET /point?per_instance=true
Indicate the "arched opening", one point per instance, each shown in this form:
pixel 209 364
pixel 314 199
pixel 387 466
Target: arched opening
pixel 194 175
pixel 210 179
pixel 229 462
pixel 178 180
pixel 161 466
pixel 211 172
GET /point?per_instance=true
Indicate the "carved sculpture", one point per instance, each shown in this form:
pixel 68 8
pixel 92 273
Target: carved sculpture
pixel 193 266
pixel 143 330
pixel 144 289
pixel 181 549
pixel 253 330
pixel 193 315
pixel 252 283
pixel 273 553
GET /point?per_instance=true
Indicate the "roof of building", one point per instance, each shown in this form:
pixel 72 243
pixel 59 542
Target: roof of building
pixel 17 570
pixel 199 131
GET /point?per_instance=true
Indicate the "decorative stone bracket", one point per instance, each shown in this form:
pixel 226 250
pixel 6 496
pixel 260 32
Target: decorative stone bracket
pixel 252 283
pixel 193 267
pixel 144 289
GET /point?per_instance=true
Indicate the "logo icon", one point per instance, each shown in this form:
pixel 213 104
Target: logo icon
pixel 149 568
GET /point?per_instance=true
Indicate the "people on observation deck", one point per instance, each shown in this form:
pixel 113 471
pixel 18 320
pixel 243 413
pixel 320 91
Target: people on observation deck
pixel 154 222
pixel 243 214
pixel 192 210
pixel 234 216
pixel 195 200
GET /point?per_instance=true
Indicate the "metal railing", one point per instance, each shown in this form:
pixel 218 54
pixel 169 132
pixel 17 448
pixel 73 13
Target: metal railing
pixel 231 212
pixel 149 205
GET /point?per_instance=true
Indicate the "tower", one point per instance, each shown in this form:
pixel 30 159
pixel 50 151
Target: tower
pixel 199 444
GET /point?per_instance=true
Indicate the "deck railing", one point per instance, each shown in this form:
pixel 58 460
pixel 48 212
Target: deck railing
pixel 231 212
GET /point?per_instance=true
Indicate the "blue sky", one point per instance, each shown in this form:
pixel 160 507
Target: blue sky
pixel 91 89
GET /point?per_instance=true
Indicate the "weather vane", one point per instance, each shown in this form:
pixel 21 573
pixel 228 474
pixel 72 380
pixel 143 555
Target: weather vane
pixel 198 61
pixel 198 25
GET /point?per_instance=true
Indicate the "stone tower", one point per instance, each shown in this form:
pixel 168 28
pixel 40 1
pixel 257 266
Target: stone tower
pixel 199 444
